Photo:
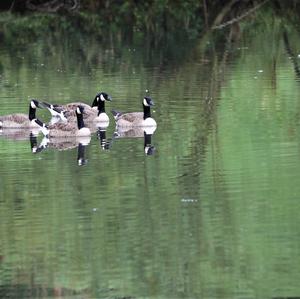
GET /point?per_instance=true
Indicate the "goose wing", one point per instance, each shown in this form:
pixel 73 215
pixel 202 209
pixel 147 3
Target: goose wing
pixel 63 129
pixel 131 117
pixel 17 118
pixel 74 105
pixel 63 126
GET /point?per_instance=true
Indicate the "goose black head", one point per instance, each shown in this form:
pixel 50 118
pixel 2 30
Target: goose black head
pixel 105 97
pixel 101 96
pixel 149 150
pixel 35 104
pixel 147 101
pixel 79 109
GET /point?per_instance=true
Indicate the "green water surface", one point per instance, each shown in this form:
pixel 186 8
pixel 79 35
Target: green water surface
pixel 213 213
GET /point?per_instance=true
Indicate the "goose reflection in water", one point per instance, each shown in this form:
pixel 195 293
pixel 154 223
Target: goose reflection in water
pixel 138 132
pixel 104 142
pixel 62 144
pixel 18 133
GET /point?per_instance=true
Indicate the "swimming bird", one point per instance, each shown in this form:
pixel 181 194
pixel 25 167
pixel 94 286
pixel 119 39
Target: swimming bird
pixel 21 120
pixel 137 132
pixel 69 129
pixel 136 119
pixel 104 142
pixel 63 144
pixel 67 111
pixel 96 117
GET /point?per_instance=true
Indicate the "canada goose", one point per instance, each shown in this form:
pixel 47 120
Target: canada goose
pixel 69 129
pixel 19 134
pixel 136 119
pixel 103 141
pixel 94 117
pixel 149 149
pixel 33 143
pixel 21 120
pixel 133 132
pixel 62 144
pixel 138 132
pixel 81 155
pixel 67 112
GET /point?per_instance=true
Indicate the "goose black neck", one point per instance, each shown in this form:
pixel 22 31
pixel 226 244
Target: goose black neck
pixel 101 134
pixel 31 112
pixel 147 112
pixel 101 107
pixel 147 139
pixel 33 141
pixel 80 152
pixel 80 122
pixel 95 102
pixel 102 137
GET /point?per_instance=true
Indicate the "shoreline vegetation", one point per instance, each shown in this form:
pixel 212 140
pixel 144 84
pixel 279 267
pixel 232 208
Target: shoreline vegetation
pixel 152 19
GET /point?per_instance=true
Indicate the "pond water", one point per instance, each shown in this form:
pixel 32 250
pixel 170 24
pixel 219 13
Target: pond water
pixel 211 213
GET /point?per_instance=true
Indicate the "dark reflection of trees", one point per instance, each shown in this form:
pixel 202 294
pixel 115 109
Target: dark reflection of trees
pixel 291 54
pixel 218 56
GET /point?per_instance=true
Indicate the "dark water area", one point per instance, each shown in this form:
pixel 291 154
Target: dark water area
pixel 211 213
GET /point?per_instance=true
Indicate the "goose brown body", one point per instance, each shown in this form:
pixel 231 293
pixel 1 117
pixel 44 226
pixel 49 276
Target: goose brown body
pixel 136 119
pixel 59 130
pixel 16 120
pixel 21 120
pixel 91 113
pixel 62 144
pixel 69 110
pixel 69 129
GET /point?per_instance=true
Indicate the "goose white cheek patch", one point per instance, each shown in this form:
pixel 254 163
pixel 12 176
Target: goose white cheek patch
pixel 145 102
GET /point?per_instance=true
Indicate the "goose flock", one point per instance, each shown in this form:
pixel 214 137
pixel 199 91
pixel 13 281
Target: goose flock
pixel 73 124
